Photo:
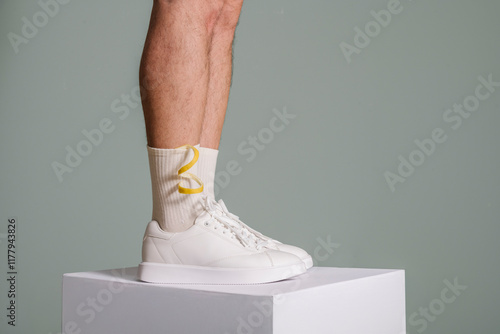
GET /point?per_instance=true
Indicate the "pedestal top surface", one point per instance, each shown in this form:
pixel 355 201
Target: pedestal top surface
pixel 313 278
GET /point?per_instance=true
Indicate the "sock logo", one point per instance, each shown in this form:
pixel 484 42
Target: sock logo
pixel 183 173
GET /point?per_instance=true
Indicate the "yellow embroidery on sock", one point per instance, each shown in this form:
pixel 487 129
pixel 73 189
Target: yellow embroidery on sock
pixel 183 173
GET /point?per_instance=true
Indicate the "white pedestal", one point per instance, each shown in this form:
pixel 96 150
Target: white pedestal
pixel 322 301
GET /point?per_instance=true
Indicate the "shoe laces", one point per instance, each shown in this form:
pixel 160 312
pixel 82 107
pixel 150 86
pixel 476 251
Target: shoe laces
pixel 239 231
pixel 266 241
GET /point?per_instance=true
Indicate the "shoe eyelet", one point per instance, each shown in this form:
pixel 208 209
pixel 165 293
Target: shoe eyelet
pixel 206 224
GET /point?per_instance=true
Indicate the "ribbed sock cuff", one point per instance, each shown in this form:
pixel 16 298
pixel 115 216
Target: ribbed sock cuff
pixel 207 164
pixel 175 212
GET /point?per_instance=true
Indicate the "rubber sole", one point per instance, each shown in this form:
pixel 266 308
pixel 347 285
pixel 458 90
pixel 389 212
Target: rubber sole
pixel 186 274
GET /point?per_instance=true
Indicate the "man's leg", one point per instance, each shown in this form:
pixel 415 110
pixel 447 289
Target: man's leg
pixel 174 76
pixel 190 239
pixel 220 60
pixel 174 72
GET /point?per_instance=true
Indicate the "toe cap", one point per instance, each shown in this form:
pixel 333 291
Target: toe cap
pixel 298 252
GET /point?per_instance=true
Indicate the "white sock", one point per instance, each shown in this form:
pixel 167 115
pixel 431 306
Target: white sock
pixel 206 170
pixel 174 211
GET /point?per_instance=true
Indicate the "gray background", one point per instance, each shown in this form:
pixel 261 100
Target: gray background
pixel 321 178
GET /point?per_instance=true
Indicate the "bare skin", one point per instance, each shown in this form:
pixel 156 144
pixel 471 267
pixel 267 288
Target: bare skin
pixel 185 71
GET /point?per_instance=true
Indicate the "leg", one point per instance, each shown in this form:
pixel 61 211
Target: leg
pixel 193 239
pixel 174 75
pixel 220 60
pixel 174 70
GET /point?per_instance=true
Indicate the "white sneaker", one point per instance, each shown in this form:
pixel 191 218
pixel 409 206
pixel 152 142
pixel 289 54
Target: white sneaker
pixel 269 242
pixel 215 250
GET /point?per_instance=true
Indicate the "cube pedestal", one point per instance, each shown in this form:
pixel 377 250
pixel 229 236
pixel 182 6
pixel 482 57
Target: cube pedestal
pixel 321 301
